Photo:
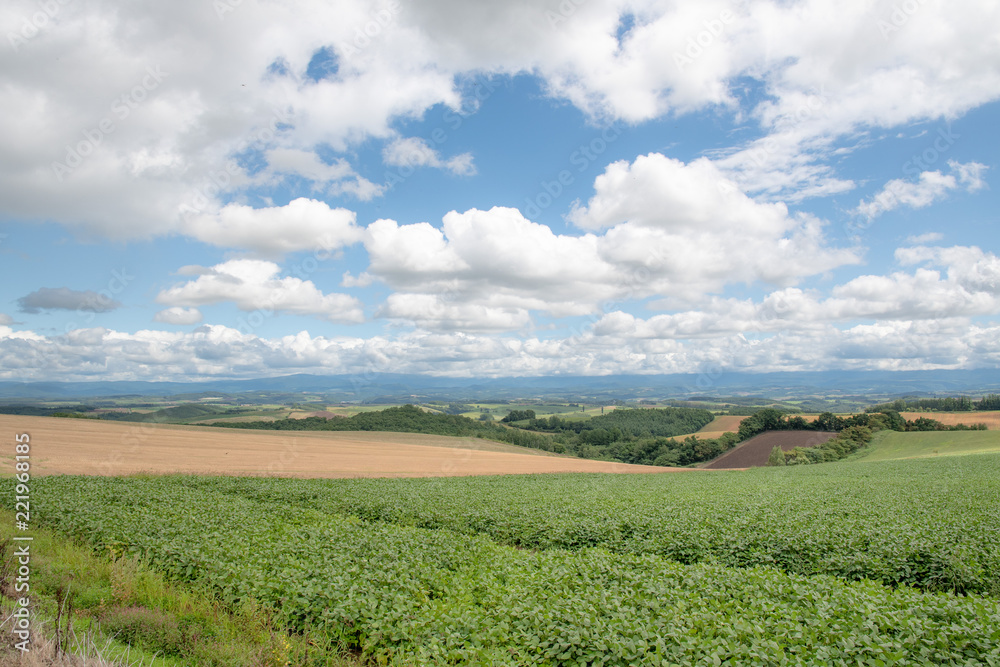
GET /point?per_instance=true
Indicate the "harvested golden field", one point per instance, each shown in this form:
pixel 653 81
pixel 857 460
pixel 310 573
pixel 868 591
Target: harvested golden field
pixel 718 426
pixel 93 447
pixel 991 418
pixel 724 423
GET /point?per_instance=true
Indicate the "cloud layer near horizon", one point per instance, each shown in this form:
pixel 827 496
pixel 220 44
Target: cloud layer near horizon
pixel 219 351
pixel 922 319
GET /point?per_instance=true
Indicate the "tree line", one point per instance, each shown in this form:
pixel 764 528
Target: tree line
pixel 773 420
pixel 950 404
pixel 636 422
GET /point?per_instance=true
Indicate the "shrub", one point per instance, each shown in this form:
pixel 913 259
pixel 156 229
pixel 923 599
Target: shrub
pixel 777 457
pixel 151 629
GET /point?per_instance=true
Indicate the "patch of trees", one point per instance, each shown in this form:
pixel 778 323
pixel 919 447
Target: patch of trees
pixel 776 457
pixel 621 423
pixel 654 421
pixel 404 419
pixel 641 436
pixel 950 404
pixel 671 452
pixel 518 415
pixel 773 420
pixel 40 411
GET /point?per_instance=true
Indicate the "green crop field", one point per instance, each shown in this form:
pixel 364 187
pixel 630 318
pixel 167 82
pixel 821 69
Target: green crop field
pixel 891 563
pixel 930 524
pixel 891 445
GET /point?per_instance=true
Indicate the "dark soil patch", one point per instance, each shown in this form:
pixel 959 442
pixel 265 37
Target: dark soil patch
pixel 754 452
pixel 323 413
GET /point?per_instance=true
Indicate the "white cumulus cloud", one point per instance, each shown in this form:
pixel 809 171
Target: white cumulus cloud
pixel 687 230
pixel 929 187
pixel 178 315
pixel 416 152
pixel 336 178
pixel 302 224
pixel 254 285
pixel 431 312
pixel 492 265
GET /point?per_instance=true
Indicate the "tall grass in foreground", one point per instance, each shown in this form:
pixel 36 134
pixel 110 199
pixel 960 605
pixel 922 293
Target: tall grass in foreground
pixel 107 608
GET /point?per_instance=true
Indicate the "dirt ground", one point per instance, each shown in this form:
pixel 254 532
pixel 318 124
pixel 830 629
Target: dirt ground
pixel 755 451
pixel 93 447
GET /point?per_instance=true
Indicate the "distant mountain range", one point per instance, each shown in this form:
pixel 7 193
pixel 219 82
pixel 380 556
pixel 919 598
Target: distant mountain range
pixel 397 386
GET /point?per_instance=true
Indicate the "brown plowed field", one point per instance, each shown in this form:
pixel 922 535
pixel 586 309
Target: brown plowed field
pixel 754 452
pixel 93 447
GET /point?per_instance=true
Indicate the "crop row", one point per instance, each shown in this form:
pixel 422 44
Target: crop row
pixel 934 524
pixel 406 595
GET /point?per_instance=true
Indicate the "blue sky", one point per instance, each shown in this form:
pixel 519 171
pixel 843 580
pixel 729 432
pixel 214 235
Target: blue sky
pixel 497 189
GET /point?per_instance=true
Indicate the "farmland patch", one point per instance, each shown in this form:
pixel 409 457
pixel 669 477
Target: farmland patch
pixel 93 447
pixel 754 452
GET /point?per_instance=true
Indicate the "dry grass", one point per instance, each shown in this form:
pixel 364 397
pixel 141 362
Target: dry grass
pixel 92 447
pixel 716 427
pixel 44 652
pixel 724 423
pixel 991 419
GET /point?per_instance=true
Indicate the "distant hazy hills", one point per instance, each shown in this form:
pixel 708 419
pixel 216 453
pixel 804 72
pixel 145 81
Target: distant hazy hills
pixel 368 386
